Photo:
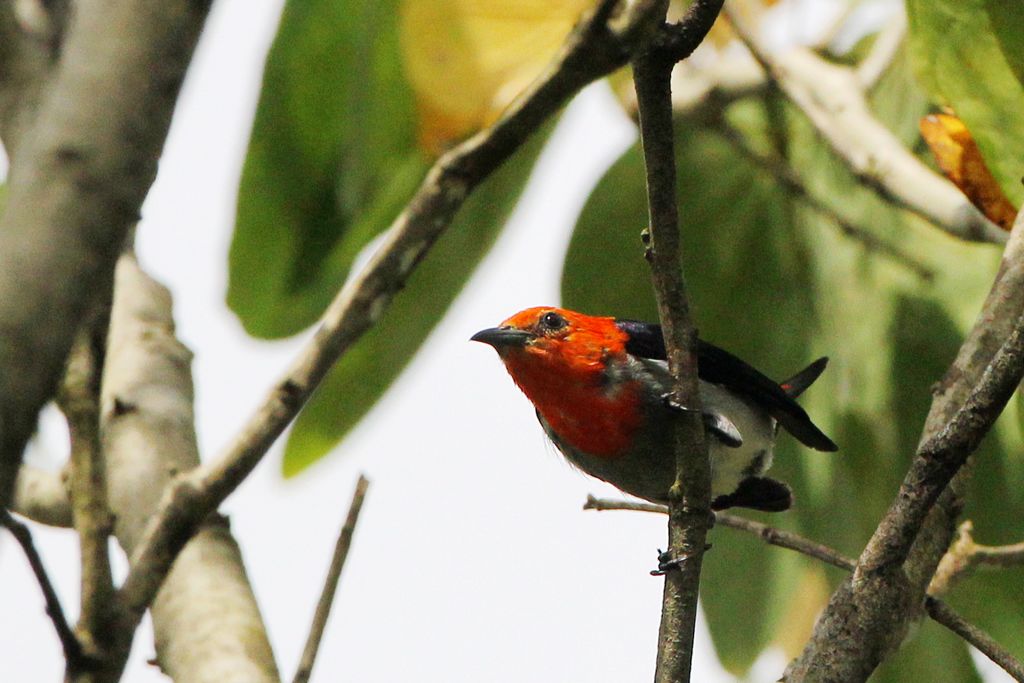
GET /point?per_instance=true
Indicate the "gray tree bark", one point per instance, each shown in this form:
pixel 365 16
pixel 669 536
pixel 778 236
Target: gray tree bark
pixel 208 626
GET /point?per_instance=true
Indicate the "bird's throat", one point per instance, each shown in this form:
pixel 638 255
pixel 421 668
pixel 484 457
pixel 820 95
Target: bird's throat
pixel 583 410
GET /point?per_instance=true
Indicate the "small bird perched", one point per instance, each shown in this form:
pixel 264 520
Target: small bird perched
pixel 600 388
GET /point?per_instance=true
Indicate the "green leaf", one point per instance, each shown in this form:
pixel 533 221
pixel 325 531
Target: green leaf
pixel 967 54
pixel 1006 20
pixel 331 161
pixel 603 272
pixel 366 370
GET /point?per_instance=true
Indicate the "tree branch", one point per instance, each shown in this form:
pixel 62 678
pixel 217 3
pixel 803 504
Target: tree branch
pixel 76 185
pixel 943 455
pixel 964 556
pixel 769 534
pixel 79 400
pixel 676 42
pixel 323 608
pixel 690 495
pixel 947 616
pixel 599 44
pixel 869 615
pixel 69 643
pixel 832 98
pixel 30 36
pixel 937 609
pixel 42 496
pixel 205 617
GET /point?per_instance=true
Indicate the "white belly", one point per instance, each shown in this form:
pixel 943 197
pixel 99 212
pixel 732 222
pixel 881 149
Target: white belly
pixel 729 466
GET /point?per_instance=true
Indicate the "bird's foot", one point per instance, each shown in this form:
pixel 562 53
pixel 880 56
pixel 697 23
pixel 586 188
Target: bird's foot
pixel 666 562
pixel 669 401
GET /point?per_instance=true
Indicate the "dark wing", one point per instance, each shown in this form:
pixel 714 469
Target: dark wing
pixel 721 367
pixel 645 340
pixel 718 366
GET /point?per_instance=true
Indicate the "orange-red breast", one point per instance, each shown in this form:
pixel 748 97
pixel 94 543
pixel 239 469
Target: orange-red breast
pixel 600 384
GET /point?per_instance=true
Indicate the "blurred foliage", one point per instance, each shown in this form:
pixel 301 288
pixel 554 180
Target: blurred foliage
pixel 476 57
pixel 969 54
pixel 328 167
pixel 354 385
pixel 349 120
pixel 337 150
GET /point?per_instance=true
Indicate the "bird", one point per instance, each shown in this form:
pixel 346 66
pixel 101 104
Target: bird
pixel 601 389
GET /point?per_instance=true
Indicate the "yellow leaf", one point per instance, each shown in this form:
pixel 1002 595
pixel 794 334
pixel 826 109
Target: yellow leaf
pixel 959 158
pixel 466 60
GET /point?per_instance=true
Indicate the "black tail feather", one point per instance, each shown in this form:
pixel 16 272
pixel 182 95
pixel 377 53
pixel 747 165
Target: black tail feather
pixel 798 383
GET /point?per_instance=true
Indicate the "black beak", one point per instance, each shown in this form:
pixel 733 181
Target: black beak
pixel 503 336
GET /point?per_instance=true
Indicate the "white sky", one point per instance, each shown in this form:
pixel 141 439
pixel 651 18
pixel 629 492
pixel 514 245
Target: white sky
pixel 473 560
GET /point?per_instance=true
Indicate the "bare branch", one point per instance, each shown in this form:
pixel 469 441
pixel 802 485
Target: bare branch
pixel 29 35
pixel 690 495
pixel 769 534
pixel 677 41
pixel 868 616
pixel 832 98
pixel 943 455
pixel 947 616
pixel 937 610
pixel 964 556
pixel 205 616
pixel 68 641
pixel 605 504
pixel 42 496
pixel 79 400
pixel 598 45
pixel 76 185
pixel 323 608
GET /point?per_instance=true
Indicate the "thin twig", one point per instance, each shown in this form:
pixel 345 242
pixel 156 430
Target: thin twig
pixel 936 608
pixel 835 26
pixel 78 398
pixel 832 98
pixel 769 534
pixel 948 617
pixel 964 555
pixel 999 555
pixel 690 495
pixel 597 46
pixel 794 184
pixel 323 608
pixel 72 648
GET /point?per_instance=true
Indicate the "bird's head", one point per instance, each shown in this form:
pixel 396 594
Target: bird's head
pixel 556 340
pixel 549 349
pixel 561 360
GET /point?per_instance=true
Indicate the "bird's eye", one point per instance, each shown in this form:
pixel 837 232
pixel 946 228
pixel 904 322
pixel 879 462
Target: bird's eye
pixel 551 321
